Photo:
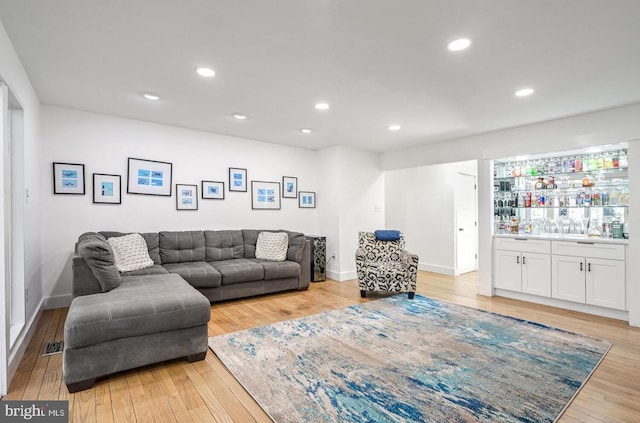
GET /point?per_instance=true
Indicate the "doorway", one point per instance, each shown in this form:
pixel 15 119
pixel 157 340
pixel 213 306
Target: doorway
pixel 12 267
pixel 465 200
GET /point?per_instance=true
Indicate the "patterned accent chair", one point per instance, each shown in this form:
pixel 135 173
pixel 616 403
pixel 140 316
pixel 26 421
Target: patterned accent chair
pixel 385 265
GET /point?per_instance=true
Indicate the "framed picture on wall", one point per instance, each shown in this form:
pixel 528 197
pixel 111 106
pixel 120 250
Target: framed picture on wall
pixel 106 188
pixel 186 197
pixel 237 179
pixel 149 177
pixel 307 200
pixel 265 195
pixel 68 178
pixel 289 187
pixel 212 190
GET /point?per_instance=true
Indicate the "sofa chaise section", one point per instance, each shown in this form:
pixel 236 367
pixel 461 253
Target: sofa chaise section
pixel 122 323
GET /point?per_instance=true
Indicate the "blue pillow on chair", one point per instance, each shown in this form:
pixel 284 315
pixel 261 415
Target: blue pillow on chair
pixel 387 235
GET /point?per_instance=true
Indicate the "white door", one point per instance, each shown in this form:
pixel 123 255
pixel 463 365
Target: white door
pixel 568 278
pixel 508 270
pixel 606 283
pixel 536 274
pixel 465 203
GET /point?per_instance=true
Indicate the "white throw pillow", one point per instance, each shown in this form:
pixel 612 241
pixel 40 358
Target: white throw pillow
pixel 131 252
pixel 272 246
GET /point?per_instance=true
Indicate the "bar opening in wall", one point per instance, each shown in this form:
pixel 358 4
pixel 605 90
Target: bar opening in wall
pixel 578 193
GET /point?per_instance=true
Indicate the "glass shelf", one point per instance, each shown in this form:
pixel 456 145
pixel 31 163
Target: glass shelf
pixel 622 172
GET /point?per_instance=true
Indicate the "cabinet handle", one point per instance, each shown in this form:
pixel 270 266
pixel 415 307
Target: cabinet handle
pixel 585 242
pixel 589 267
pixel 518 259
pixel 581 266
pixel 521 239
pixel 523 260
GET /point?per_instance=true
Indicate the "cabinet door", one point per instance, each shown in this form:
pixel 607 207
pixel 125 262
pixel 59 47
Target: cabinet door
pixel 507 270
pixel 606 283
pixel 536 274
pixel 568 278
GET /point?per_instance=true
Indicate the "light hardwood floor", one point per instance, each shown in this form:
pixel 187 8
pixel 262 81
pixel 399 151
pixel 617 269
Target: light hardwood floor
pixel 178 391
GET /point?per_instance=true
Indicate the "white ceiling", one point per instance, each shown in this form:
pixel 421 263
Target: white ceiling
pixel 376 62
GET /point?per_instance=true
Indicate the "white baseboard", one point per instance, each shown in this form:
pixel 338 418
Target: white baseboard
pixel 568 305
pixel 436 269
pixel 342 276
pixel 58 301
pixel 22 343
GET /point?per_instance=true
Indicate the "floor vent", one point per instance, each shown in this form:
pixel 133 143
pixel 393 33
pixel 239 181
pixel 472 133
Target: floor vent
pixel 54 347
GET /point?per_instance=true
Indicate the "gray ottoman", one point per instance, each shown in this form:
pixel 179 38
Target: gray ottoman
pixel 145 320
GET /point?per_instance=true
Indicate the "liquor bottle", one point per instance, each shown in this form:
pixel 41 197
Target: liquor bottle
pixel 578 166
pixel 566 165
pixel 600 162
pixel 608 161
pixel 552 182
pixel 616 160
pixel 527 199
pixel 593 163
pixel 624 163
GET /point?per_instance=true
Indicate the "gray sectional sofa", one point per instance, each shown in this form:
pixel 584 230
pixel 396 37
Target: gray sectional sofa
pixel 119 321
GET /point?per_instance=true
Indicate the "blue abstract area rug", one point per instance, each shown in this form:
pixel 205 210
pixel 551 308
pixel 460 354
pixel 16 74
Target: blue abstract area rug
pixel 401 360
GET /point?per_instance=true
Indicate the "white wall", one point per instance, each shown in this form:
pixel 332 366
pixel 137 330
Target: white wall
pixel 352 188
pixel 362 203
pixel 103 144
pixel 328 168
pixel 606 127
pixel 419 201
pixel 14 75
pixel 633 251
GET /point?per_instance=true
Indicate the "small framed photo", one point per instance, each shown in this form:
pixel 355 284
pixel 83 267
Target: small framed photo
pixel 265 195
pixel 149 177
pixel 237 179
pixel 307 200
pixel 289 187
pixel 212 190
pixel 106 188
pixel 68 178
pixel 186 197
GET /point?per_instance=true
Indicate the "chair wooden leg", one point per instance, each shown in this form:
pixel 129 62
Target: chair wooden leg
pixel 363 294
pixel 411 294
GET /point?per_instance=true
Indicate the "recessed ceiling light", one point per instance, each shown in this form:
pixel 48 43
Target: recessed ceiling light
pixel 206 72
pixel 322 106
pixel 460 44
pixel 238 116
pixel 394 127
pixel 149 95
pixel 524 92
pixel 305 130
